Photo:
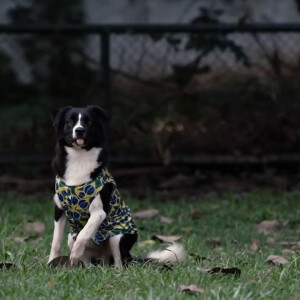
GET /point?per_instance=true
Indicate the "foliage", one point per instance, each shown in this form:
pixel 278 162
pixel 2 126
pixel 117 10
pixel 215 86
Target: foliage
pixel 202 45
pixel 59 73
pixel 58 63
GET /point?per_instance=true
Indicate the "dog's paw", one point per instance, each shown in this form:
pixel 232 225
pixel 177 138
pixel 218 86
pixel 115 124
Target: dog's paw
pixel 52 257
pixel 76 253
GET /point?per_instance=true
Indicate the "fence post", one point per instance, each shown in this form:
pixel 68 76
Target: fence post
pixel 105 77
pixel 105 69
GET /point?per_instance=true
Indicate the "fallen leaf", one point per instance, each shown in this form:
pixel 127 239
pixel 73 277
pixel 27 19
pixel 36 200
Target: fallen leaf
pixel 146 214
pixel 146 243
pixel 167 238
pixel 110 286
pixel 166 220
pixel 37 227
pixel 50 282
pixel 196 214
pixel 277 260
pixel 270 241
pixel 268 227
pixel 198 258
pixel 226 271
pixel 287 251
pixel 217 249
pixel 177 181
pixel 202 270
pixel 287 244
pixel 192 288
pixel 234 242
pixel 214 241
pixel 294 298
pixel 166 267
pixel 285 222
pixel 8 265
pixel 18 239
pixel 187 229
pixel 254 245
pixel 296 247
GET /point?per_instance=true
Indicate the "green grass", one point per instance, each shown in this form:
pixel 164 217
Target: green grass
pixel 230 217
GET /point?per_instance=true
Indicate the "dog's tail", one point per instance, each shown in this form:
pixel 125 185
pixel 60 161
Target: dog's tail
pixel 173 253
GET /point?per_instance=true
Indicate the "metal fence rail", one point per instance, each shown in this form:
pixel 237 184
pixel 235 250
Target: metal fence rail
pixel 151 28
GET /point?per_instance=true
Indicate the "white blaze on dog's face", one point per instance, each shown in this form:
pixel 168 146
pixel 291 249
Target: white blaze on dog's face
pixel 77 132
pixel 80 127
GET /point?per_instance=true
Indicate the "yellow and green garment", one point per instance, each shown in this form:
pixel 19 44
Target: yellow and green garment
pixel 76 201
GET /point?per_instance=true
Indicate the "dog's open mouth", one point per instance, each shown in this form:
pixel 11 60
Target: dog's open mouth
pixel 79 142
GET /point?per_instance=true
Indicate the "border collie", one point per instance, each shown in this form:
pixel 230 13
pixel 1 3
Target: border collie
pixel 86 195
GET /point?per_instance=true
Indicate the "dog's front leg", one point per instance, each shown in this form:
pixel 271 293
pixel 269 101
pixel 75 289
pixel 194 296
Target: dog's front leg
pixel 97 216
pixel 59 227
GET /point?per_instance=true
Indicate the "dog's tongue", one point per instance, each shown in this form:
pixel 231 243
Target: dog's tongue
pixel 79 142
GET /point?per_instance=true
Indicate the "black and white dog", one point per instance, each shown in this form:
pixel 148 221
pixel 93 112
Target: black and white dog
pixel 86 195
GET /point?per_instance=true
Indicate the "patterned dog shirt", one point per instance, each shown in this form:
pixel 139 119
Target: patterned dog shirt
pixel 76 201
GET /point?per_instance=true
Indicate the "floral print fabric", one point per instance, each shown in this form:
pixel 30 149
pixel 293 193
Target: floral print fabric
pixel 76 201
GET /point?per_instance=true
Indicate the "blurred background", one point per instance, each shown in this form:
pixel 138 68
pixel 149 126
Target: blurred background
pixel 200 93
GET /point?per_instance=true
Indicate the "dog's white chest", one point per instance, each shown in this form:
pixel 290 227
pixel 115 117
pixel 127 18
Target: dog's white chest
pixel 80 164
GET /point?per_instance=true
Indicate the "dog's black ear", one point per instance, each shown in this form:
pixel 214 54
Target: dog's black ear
pixel 58 114
pixel 98 112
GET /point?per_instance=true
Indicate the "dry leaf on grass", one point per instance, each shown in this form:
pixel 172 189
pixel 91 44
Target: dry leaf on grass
pixel 146 243
pixel 166 220
pixel 186 229
pixel 254 245
pixel 292 245
pixel 50 282
pixel 277 260
pixel 37 227
pixel 8 265
pixel 287 244
pixel 167 238
pixel 18 239
pixel 198 258
pixel 287 251
pixel 196 214
pixel 192 288
pixel 270 241
pixel 268 226
pixel 214 241
pixel 217 249
pixel 294 298
pixel 146 214
pixel 226 271
pixel 177 181
pixel 296 247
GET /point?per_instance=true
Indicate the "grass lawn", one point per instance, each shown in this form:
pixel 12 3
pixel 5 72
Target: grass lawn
pixel 230 217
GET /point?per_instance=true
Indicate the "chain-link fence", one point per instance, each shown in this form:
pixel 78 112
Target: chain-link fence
pixel 174 93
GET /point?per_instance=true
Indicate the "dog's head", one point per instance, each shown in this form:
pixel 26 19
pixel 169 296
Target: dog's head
pixel 80 127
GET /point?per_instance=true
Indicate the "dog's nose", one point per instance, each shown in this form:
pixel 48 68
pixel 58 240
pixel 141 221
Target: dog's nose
pixel 79 131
